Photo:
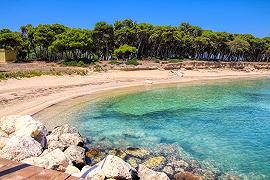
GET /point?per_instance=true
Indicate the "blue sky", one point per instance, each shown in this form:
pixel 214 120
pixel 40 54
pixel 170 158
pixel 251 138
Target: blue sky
pixel 235 16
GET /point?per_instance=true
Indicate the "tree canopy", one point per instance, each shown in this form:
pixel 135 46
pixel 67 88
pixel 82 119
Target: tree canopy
pixel 125 52
pixel 128 38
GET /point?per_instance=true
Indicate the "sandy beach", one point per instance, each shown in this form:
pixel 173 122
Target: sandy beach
pixel 31 95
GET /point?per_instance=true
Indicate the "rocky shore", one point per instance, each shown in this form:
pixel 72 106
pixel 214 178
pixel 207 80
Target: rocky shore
pixel 27 140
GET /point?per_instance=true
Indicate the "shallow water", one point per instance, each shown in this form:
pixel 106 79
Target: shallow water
pixel 224 123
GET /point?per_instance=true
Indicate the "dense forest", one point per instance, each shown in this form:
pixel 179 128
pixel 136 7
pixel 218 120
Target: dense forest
pixel 127 39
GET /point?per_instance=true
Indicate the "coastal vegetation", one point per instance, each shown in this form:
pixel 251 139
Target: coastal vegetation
pixel 128 39
pixel 32 73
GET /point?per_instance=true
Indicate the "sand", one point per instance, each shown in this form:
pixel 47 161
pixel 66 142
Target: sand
pixel 31 95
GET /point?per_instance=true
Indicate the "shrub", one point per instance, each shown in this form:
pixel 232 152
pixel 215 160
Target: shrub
pixel 132 62
pixel 175 60
pixel 33 73
pixel 98 68
pixel 74 63
pixel 113 62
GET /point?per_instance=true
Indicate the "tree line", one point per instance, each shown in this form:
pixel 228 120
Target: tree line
pixel 128 39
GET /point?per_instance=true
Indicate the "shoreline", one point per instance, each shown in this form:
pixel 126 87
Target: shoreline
pixel 31 95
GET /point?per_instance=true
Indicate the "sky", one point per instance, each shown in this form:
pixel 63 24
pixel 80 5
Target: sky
pixel 234 16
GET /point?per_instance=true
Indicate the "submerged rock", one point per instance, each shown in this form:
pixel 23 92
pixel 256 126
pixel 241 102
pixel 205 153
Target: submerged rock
pixel 187 176
pixel 94 152
pixel 230 177
pixel 119 153
pixel 134 162
pixel 147 174
pixel 20 147
pixel 56 160
pixel 138 152
pixel 155 162
pixel 169 171
pixel 209 175
pixel 179 166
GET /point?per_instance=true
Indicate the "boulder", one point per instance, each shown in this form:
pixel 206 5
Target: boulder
pixel 56 160
pixel 7 123
pixel 118 153
pixel 187 176
pixel 3 141
pixel 3 133
pixel 20 147
pixel 168 170
pixel 137 152
pixel 134 162
pixel 72 170
pixel 26 125
pixel 179 166
pixel 52 144
pixel 147 174
pixel 110 167
pixel 94 152
pixel 63 137
pixel 76 154
pixel 155 162
pixel 230 177
pixel 209 175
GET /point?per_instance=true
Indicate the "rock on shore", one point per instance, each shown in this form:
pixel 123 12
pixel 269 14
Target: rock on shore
pixel 25 139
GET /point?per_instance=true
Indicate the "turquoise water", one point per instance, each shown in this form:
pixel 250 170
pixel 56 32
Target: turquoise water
pixel 224 123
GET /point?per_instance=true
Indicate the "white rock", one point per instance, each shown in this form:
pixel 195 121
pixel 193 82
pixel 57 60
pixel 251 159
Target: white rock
pixel 71 138
pixel 109 167
pixel 26 125
pixel 3 133
pixel 76 154
pixel 63 137
pixel 56 160
pixel 72 170
pixel 20 147
pixel 3 141
pixel 77 174
pixel 148 82
pixel 7 123
pixel 147 174
pixel 179 74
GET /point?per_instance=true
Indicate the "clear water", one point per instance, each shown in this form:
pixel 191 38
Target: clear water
pixel 226 123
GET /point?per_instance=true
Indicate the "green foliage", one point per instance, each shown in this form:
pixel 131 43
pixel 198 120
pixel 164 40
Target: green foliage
pixel 103 37
pixel 128 39
pixel 125 51
pixel 132 62
pixel 74 63
pixel 113 62
pixel 10 40
pixel 98 68
pixel 33 73
pixel 175 61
